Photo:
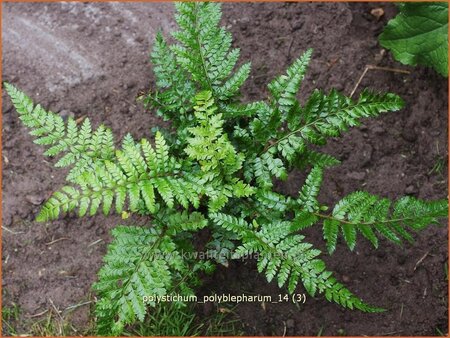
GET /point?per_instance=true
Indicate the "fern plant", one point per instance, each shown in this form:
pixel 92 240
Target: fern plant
pixel 216 168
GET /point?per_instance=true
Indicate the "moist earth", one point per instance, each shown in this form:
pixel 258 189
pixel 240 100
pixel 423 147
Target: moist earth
pixel 91 59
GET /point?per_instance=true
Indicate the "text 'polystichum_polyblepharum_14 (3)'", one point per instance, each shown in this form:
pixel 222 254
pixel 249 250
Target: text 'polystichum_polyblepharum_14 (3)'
pixel 215 168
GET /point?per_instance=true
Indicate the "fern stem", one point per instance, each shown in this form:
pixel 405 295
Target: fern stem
pixel 387 221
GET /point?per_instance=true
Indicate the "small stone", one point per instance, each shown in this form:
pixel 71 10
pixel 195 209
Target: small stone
pixel 380 55
pixel 378 130
pixel 245 19
pixel 367 151
pixel 339 87
pixel 363 127
pixel 435 133
pixel 410 190
pixel 290 323
pixel 345 278
pixel 34 199
pixel 129 85
pixel 99 231
pixel 357 175
pixel 297 26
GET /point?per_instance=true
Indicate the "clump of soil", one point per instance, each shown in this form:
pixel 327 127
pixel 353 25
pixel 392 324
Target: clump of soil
pixel 90 59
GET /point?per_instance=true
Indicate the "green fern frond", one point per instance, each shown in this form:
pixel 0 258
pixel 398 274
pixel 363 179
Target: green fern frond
pixel 264 168
pixel 185 221
pixel 273 201
pixel 371 215
pixel 217 157
pixel 201 59
pixel 140 262
pixel 205 49
pixel 237 110
pixel 303 219
pixel 285 87
pixel 80 146
pixel 314 158
pixel 232 86
pixel 138 172
pixel 322 117
pixel 310 190
pixel 289 259
pixel 236 225
pixel 174 99
pixel 328 115
pixel 221 246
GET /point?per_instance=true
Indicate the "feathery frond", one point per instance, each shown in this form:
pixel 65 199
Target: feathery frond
pixel 217 157
pixel 79 145
pixel 140 263
pixel 289 259
pixel 369 215
pixel 137 171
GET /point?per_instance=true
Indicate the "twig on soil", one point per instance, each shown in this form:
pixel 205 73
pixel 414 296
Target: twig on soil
pixel 282 38
pixel 38 314
pixel 80 119
pixel 57 240
pixel 290 47
pixel 401 311
pixel 391 333
pixel 58 312
pixel 421 260
pixel 319 334
pixel 75 306
pixel 11 231
pixel 59 315
pixel 95 242
pixel 373 67
pixel 284 329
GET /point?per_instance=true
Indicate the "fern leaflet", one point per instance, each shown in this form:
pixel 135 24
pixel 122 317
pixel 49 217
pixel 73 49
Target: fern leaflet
pixel 369 214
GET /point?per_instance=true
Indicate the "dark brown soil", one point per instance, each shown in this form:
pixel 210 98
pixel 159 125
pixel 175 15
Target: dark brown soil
pixel 91 59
